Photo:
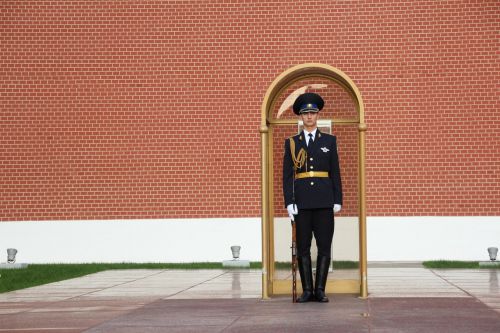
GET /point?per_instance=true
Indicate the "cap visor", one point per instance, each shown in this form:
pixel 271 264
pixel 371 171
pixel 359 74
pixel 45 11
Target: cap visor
pixel 309 111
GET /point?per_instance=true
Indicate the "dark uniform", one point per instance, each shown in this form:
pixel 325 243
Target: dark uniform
pixel 313 192
pixel 315 188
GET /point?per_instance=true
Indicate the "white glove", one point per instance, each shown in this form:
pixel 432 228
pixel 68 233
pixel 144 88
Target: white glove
pixel 292 210
pixel 337 208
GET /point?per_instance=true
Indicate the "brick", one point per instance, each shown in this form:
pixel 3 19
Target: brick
pixel 117 109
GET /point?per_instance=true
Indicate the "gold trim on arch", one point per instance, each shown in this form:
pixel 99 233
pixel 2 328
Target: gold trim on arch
pixel 282 82
pixel 340 83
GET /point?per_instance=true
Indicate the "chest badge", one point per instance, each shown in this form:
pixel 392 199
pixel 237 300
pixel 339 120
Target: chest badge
pixel 325 150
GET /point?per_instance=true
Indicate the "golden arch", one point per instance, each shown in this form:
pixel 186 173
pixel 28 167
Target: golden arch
pixel 283 81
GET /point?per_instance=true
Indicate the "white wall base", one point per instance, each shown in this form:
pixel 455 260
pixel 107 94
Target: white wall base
pixel 422 238
pixel 199 240
pixel 166 240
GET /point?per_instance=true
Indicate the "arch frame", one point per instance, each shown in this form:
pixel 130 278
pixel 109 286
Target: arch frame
pixel 282 82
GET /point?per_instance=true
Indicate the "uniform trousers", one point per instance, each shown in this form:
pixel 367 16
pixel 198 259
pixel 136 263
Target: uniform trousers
pixel 319 222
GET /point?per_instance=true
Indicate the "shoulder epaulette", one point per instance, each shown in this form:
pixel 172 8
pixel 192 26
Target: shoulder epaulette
pixel 293 136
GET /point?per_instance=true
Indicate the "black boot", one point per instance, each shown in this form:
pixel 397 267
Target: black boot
pixel 306 278
pixel 321 274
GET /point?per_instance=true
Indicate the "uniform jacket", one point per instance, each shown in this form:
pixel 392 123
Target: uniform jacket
pixel 311 193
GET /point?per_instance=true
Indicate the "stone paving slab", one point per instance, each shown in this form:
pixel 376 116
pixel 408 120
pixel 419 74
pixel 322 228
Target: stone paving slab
pixel 54 321
pixel 171 300
pixel 409 282
pixel 252 315
pixel 481 284
pixel 428 315
pixel 342 314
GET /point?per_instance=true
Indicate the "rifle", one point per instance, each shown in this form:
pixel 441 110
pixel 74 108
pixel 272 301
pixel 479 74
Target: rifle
pixel 298 161
pixel 294 263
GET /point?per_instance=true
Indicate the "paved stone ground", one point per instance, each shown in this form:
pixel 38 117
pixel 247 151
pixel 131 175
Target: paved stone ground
pixel 403 299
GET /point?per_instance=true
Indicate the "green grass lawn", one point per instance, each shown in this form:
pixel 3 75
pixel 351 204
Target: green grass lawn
pixel 451 264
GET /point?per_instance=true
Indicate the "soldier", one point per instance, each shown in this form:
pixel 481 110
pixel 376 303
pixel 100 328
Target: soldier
pixel 312 192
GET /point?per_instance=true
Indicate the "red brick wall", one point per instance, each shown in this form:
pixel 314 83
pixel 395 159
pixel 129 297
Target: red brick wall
pixel 139 109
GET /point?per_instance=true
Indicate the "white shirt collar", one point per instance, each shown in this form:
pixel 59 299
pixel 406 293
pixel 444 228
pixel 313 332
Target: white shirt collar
pixel 306 134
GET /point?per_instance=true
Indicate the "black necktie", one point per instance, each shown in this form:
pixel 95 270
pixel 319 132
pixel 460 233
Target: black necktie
pixel 310 139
